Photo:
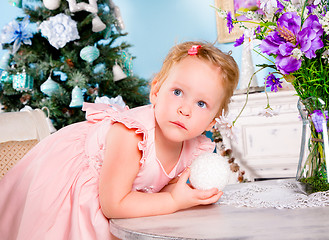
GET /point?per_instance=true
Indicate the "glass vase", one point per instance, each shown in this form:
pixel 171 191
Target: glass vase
pixel 314 153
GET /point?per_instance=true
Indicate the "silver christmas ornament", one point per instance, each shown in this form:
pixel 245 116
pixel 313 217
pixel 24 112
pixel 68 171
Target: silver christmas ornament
pixel 97 24
pixel 118 74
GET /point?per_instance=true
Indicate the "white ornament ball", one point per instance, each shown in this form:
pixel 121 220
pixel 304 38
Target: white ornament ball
pixel 52 4
pixel 209 170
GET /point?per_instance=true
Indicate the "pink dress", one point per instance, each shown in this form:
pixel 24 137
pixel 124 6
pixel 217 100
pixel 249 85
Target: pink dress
pixel 52 193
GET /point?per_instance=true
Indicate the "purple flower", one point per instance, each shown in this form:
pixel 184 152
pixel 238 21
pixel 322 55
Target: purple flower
pixel 317 118
pixel 285 49
pixel 309 37
pixel 273 82
pixel 270 44
pixel 258 29
pixel 288 64
pixel 229 22
pixel 311 7
pixel 279 6
pixel 289 25
pixel 290 35
pixel 239 41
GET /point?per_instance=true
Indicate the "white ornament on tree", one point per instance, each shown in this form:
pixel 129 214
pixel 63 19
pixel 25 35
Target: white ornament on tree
pixel 59 30
pixel 117 14
pixel 97 24
pixel 76 7
pixel 52 4
pixel 118 73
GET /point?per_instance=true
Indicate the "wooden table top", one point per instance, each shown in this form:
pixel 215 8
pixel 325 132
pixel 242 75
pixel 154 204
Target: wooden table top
pixel 218 221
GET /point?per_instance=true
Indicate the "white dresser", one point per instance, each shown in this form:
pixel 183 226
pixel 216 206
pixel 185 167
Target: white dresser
pixel 267 147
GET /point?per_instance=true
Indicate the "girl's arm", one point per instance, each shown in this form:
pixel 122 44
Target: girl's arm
pixel 119 170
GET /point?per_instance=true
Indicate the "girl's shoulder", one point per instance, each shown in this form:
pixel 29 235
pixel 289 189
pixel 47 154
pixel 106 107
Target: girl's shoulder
pixel 103 116
pixel 139 117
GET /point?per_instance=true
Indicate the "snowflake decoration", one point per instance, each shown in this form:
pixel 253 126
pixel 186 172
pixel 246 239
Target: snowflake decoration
pixel 59 30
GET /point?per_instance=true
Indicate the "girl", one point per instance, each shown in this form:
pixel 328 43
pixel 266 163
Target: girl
pixel 74 180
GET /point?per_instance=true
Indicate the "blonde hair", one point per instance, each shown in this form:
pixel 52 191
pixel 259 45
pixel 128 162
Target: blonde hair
pixel 208 52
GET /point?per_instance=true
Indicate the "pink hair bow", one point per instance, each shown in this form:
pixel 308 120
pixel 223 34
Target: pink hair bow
pixel 194 50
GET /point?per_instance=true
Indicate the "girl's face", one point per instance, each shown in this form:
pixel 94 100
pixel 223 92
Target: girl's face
pixel 188 100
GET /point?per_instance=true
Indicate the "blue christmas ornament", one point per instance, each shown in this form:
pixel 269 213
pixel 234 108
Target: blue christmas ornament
pixel 5 60
pixel 22 82
pixel 6 77
pixel 99 68
pixel 49 86
pixel 62 75
pixel 16 32
pixel 16 3
pixel 77 98
pixel 127 61
pixel 89 53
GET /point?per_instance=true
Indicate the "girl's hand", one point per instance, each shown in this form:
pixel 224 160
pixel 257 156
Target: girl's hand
pixel 185 197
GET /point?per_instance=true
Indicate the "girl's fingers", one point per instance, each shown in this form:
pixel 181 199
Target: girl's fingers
pixel 184 176
pixel 174 180
pixel 212 199
pixel 205 194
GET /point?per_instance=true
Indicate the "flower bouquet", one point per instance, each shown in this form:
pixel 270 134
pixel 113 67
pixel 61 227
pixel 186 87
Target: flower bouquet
pixel 293 36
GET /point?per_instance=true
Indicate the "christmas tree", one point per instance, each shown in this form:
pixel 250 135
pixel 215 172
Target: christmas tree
pixel 63 53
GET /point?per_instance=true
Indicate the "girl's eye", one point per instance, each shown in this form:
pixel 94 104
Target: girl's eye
pixel 202 104
pixel 177 92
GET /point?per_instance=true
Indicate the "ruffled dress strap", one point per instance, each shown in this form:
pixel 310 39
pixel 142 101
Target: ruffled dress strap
pixel 139 118
pixel 96 112
pixel 203 144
